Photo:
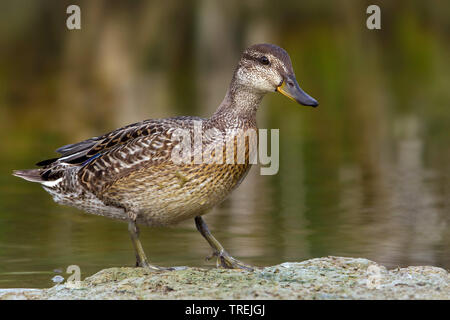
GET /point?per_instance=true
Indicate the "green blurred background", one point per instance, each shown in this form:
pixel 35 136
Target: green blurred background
pixel 366 174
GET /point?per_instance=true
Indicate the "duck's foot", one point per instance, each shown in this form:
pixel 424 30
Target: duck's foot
pixel 224 260
pixel 152 267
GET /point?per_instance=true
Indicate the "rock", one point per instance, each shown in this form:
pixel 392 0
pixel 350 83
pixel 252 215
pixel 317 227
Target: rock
pixel 322 278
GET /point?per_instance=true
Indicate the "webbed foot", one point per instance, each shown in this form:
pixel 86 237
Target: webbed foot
pixel 152 267
pixel 224 260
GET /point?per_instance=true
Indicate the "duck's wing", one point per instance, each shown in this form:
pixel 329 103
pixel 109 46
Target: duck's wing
pixel 81 152
pixel 112 154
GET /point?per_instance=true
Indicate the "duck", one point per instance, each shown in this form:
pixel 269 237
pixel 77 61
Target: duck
pixel 131 174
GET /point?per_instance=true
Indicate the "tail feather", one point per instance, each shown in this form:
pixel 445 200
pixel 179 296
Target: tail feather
pixel 33 175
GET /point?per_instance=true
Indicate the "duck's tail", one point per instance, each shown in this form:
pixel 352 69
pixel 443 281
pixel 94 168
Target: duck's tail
pixel 33 175
pixel 41 176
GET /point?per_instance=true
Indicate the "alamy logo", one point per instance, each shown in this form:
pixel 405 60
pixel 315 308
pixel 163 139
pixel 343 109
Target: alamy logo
pixel 374 20
pixel 74 281
pixel 74 20
pixel 233 146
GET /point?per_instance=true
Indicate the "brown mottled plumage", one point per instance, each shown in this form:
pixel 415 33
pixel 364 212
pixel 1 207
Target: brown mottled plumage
pixel 128 173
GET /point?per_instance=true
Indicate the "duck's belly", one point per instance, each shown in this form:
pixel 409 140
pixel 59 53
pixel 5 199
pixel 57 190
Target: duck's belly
pixel 169 194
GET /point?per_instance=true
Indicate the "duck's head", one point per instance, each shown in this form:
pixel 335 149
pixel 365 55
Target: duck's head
pixel 267 68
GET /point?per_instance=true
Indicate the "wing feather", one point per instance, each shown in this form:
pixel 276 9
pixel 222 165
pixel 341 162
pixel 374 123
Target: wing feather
pixel 117 151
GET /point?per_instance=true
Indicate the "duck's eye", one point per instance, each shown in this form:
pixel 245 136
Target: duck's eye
pixel 264 60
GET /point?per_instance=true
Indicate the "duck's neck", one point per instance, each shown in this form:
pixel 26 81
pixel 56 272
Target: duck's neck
pixel 238 108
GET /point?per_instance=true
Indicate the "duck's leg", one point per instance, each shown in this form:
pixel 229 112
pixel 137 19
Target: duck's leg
pixel 223 258
pixel 141 258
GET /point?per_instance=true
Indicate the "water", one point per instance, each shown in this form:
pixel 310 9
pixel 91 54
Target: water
pixel 366 174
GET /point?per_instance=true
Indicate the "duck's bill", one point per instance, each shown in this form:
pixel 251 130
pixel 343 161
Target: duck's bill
pixel 292 90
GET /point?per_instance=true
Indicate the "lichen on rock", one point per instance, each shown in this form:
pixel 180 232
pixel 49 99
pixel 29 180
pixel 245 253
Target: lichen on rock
pixel 321 278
